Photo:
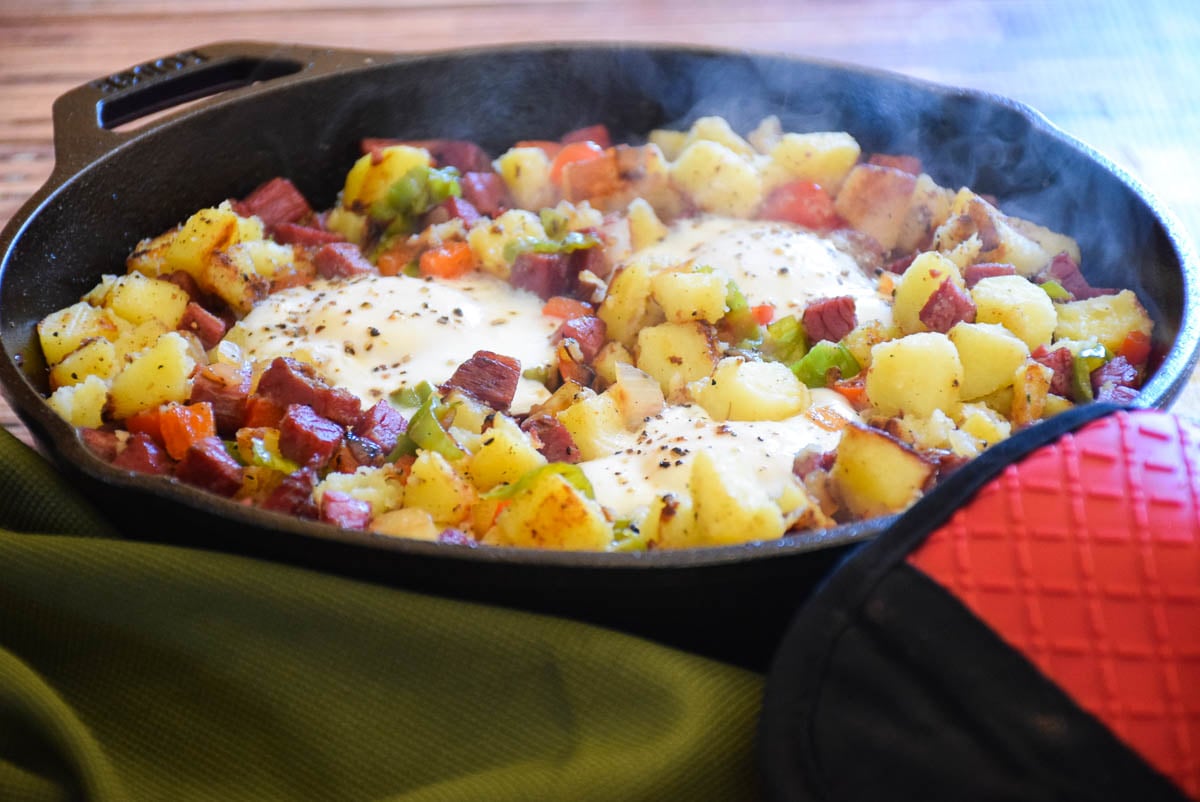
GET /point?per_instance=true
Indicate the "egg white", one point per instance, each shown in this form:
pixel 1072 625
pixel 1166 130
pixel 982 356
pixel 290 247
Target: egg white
pixel 657 459
pixel 374 335
pixel 786 265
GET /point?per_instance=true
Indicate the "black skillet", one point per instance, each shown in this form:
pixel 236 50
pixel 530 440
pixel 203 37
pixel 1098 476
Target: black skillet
pixel 300 112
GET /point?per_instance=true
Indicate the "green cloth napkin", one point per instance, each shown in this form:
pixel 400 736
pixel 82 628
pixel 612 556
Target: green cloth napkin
pixel 137 671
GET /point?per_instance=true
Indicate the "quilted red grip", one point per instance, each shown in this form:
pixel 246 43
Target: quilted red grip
pixel 1085 556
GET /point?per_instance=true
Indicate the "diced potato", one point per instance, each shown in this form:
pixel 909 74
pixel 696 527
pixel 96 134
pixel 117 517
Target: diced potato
pixel 1107 318
pixel 63 331
pixel 1055 404
pixel 351 225
pixel 971 215
pixel 526 173
pixel 483 516
pixel 232 276
pixel 966 252
pixel 984 423
pixel 149 257
pixel 1026 255
pixel 875 200
pixel 97 295
pixel 248 229
pixel 567 394
pixel 435 487
pixel 767 135
pixel 627 307
pixel 716 129
pixel 605 363
pixel 647 174
pixel 742 390
pixel 264 257
pixel 137 299
pixel 596 425
pixel 677 353
pixel 823 157
pixel 96 357
pixel 917 284
pixel 469 415
pixel 370 178
pixel 671 143
pixel 717 179
pixel 407 522
pixel 552 514
pixel 1017 304
pixel 875 474
pixel 505 455
pixel 965 444
pixel 158 375
pixel 866 336
pixel 490 240
pixel 730 507
pixel 135 339
pixel 990 355
pixel 205 232
pixel 580 216
pixel 81 404
pixel 1031 385
pixel 382 488
pixel 685 296
pixel 670 523
pixel 801 509
pixel 645 229
pixel 1000 401
pixel 915 375
pixel 1051 242
pixel 925 433
pixel 929 208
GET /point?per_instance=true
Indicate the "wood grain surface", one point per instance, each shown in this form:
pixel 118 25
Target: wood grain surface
pixel 1123 77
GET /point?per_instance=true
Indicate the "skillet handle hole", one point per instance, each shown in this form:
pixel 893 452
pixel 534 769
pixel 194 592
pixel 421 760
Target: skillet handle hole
pixel 139 96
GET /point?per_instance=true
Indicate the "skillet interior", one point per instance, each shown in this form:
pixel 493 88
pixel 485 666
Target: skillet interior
pixel 729 602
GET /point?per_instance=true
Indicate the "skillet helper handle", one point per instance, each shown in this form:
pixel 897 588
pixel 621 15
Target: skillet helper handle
pixel 87 118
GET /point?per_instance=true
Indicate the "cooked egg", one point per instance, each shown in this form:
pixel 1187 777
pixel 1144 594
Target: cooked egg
pixel 374 335
pixel 657 460
pixel 777 263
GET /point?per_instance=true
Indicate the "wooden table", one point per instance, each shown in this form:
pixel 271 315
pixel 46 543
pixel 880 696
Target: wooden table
pixel 1123 76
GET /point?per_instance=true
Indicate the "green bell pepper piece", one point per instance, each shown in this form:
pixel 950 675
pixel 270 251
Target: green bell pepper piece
pixel 1087 360
pixel 425 432
pixel 785 340
pixel 572 473
pixel 416 192
pixel 813 369
pixel 1056 291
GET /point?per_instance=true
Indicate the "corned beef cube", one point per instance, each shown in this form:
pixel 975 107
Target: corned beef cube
pixel 306 437
pixel 293 496
pixel 209 466
pixel 277 201
pixel 382 424
pixel 341 260
pixel 344 510
pixel 552 438
pixel 830 318
pixel 143 455
pixel 489 378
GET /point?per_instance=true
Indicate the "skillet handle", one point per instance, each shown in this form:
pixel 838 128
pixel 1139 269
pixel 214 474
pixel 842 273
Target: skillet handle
pixel 86 118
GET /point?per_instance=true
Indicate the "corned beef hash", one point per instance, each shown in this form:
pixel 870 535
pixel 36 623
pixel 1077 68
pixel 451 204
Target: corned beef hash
pixel 701 340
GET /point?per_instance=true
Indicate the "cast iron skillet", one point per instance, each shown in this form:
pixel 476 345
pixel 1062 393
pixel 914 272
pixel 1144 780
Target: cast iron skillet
pixel 299 112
